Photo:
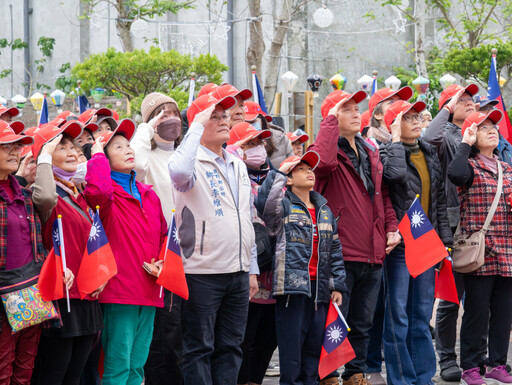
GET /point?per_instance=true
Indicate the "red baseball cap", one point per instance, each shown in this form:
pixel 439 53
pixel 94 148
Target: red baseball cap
pixel 87 115
pixel 13 111
pixel 450 91
pixel 205 101
pixel 126 127
pixel 404 93
pixel 293 137
pixel 229 90
pixel 29 132
pixel 253 109
pixel 63 117
pixel 48 131
pixel 207 89
pixel 404 107
pixel 365 120
pixel 17 126
pixel 337 96
pixel 310 157
pixel 7 135
pixel 494 116
pixel 244 130
pixel 91 127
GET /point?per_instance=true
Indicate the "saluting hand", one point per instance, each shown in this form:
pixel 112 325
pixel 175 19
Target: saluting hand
pixel 97 147
pixel 396 128
pixel 469 136
pixel 49 148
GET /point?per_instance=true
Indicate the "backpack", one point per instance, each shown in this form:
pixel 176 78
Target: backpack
pixel 266 247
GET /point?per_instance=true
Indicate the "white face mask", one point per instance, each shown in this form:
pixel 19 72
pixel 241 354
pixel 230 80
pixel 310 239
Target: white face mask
pixel 81 170
pixel 256 156
pixel 256 124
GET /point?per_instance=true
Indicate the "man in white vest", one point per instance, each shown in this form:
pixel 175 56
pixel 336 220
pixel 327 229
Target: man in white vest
pixel 213 215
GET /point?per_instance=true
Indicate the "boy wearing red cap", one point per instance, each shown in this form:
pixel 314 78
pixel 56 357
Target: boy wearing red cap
pixel 411 168
pixel 349 176
pixel 308 265
pixel 455 104
pixel 213 215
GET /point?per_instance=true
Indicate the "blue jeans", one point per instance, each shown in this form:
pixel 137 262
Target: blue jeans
pixel 408 348
pixel 213 321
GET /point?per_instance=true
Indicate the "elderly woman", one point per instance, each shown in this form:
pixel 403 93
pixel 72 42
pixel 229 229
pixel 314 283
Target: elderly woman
pixel 63 351
pixel 135 226
pixel 488 304
pixel 17 351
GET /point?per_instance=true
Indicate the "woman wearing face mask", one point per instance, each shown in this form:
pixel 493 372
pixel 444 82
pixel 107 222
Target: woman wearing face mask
pixel 135 226
pixel 154 143
pixel 64 351
pixel 260 339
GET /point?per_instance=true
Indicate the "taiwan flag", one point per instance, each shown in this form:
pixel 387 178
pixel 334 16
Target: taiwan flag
pixel 445 283
pixel 172 275
pixel 494 93
pixel 98 263
pixel 336 348
pixel 423 247
pixel 43 118
pixel 258 93
pixel 51 278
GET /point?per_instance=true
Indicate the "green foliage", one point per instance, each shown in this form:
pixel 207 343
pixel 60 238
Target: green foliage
pixel 13 45
pixel 475 62
pixel 138 73
pixel 131 9
pixel 66 82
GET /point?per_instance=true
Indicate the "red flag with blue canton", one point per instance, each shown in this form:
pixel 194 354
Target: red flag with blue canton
pixel 172 275
pixel 51 278
pixel 445 283
pixel 98 263
pixel 336 348
pixel 494 93
pixel 423 247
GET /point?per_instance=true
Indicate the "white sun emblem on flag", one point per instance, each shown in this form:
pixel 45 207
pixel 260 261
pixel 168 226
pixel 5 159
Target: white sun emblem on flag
pixel 95 232
pixel 334 334
pixel 56 236
pixel 417 219
pixel 175 236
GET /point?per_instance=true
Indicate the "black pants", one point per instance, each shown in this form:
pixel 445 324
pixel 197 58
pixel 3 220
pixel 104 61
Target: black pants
pixel 63 359
pixel 90 374
pixel 259 344
pixel 446 327
pixel 487 309
pixel 358 307
pixel 165 354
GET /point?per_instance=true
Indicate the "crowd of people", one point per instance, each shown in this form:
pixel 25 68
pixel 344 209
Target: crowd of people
pixel 270 233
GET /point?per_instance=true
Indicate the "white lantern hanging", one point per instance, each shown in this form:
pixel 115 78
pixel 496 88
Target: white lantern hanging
pixel 37 101
pixel 289 80
pixel 365 83
pixel 393 82
pixel 58 98
pixel 19 101
pixel 447 80
pixel 323 17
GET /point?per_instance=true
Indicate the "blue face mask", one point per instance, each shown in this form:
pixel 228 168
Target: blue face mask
pixel 256 124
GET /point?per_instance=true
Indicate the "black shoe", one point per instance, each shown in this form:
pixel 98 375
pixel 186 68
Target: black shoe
pixel 509 369
pixel 451 374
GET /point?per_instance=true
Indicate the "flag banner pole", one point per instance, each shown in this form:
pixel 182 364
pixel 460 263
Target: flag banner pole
pixel 166 248
pixel 191 89
pixel 341 315
pixel 63 256
pixel 255 88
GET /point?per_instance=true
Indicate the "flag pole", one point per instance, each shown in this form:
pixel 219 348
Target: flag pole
pixel 341 315
pixel 254 86
pixel 166 248
pixel 191 88
pixel 63 256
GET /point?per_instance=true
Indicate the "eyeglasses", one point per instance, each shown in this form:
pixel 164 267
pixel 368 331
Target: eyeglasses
pixel 487 128
pixel 410 118
pixel 8 147
pixel 465 100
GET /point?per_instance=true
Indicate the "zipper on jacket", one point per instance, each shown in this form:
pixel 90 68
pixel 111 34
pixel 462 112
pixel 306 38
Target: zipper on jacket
pixel 318 261
pixel 312 247
pixel 131 190
pixel 239 222
pixel 202 237
pixel 287 300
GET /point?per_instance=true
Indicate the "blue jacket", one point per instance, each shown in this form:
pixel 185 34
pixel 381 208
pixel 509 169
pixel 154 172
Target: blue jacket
pixel 288 218
pixel 505 149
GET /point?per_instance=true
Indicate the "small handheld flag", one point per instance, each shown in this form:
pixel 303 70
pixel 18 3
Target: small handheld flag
pixel 336 348
pixel 98 263
pixel 258 93
pixel 445 282
pixel 374 85
pixel 51 279
pixel 494 93
pixel 172 275
pixel 423 247
pixel 43 118
pixel 191 89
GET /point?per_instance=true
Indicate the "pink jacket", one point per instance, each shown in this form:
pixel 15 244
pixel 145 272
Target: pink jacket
pixel 135 233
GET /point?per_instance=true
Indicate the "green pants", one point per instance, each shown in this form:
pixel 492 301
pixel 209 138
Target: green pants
pixel 126 339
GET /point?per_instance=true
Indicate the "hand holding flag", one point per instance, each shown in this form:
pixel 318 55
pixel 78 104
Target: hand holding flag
pixel 336 348
pixel 423 247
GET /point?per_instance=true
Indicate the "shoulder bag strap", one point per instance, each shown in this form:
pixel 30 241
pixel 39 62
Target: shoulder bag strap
pixel 494 205
pixel 65 196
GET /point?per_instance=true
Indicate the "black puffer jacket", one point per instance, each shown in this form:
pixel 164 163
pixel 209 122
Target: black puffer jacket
pixel 404 183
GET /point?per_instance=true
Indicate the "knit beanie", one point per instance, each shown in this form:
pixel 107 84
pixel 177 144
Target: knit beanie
pixel 152 101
